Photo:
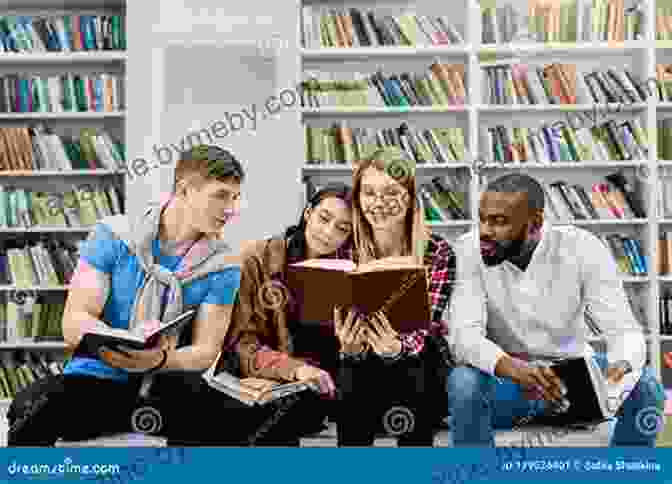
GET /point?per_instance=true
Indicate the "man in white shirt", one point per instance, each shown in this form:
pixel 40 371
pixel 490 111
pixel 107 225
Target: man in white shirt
pixel 521 297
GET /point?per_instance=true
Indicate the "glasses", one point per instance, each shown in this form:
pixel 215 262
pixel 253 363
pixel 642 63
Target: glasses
pixel 388 194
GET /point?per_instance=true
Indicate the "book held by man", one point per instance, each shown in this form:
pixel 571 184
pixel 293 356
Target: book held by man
pixel 394 285
pixel 252 391
pixel 92 341
pixel 591 397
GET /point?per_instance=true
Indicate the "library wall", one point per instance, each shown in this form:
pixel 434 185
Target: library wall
pixel 193 65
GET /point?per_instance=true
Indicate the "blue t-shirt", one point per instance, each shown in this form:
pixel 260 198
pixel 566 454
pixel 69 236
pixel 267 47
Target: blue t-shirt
pixel 109 255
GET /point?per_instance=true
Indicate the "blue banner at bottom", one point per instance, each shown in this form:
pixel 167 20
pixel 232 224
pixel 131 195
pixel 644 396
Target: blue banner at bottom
pixel 346 465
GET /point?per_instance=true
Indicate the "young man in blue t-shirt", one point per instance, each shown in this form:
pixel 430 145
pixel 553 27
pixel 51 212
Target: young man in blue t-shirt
pixel 184 264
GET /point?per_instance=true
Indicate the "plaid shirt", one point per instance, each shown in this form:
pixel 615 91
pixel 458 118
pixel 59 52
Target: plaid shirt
pixel 440 260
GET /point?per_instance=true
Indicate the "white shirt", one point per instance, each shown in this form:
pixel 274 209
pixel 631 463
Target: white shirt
pixel 540 311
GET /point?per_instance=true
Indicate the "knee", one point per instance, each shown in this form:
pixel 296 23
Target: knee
pixel 650 391
pixel 467 384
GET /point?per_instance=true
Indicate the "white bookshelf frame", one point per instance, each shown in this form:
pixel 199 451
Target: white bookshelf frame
pixel 62 60
pixel 645 51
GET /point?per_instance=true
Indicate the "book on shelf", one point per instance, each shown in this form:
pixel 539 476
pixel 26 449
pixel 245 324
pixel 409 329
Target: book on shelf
pixel 397 289
pixel 663 22
pixel 663 85
pixel 341 143
pixel 113 338
pixel 80 207
pixel 628 253
pixel 252 391
pixel 18 369
pixel 439 85
pixel 664 252
pixel 604 201
pixel 613 21
pixel 64 93
pixel 540 22
pixel 353 27
pixel 528 84
pixel 49 262
pixel 607 141
pixel 665 311
pixel 62 33
pixel 37 148
pixel 28 318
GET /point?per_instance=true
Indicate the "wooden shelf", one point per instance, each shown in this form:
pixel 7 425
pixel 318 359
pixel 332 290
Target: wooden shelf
pixel 58 116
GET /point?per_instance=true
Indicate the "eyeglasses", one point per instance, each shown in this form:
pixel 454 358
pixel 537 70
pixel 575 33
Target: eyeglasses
pixel 388 194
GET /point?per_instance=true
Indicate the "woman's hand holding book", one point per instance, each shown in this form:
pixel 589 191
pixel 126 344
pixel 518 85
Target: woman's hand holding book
pixel 351 333
pixel 312 374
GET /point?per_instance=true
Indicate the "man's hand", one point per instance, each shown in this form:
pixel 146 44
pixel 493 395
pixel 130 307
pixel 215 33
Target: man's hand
pixel 535 379
pixel 138 361
pixel 383 339
pixel 351 333
pixel 308 373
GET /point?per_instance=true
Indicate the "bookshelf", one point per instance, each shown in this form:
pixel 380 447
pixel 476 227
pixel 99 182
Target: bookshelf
pixel 104 111
pixel 641 55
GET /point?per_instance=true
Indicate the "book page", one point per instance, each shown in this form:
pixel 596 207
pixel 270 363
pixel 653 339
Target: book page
pixel 344 265
pixel 389 263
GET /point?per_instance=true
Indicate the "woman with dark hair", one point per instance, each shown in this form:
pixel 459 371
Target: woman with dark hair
pixel 265 340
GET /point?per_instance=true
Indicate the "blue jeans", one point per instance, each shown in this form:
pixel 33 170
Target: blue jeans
pixel 480 403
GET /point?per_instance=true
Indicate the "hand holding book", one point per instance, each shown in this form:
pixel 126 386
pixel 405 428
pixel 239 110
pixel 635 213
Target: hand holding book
pixel 320 378
pixel 138 361
pixel 351 333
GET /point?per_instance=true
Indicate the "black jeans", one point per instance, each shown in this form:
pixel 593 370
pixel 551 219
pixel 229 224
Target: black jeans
pixel 397 398
pixel 191 412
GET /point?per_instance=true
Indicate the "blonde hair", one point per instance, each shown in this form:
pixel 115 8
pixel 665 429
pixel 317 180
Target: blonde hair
pixel 396 164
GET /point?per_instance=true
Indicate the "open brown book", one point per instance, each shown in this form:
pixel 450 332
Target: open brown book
pixel 252 391
pixel 393 286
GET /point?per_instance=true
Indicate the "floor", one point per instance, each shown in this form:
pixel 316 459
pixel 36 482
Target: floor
pixel 597 438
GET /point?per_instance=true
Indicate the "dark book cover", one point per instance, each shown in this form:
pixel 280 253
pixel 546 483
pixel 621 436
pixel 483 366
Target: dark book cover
pixel 586 393
pixel 91 343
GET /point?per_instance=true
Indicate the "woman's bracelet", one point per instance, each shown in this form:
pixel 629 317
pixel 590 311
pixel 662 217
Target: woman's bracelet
pixel 160 365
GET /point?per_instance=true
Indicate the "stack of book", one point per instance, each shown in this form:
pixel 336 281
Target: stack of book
pixel 609 20
pixel 607 201
pixel 38 148
pixel 663 22
pixel 665 310
pixel 664 82
pixel 83 206
pixel 444 199
pixel 560 84
pixel 343 27
pixel 609 141
pixel 664 252
pixel 628 253
pixel 28 318
pixel 20 369
pixel 65 93
pixel 664 132
pixel 440 85
pixel 546 23
pixel 51 262
pixel 665 198
pixel 62 33
pixel 342 144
